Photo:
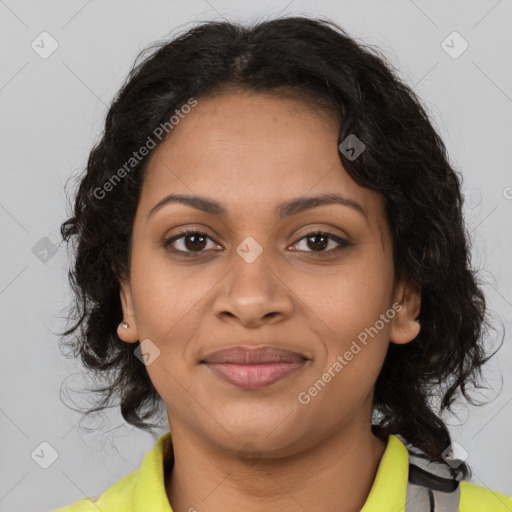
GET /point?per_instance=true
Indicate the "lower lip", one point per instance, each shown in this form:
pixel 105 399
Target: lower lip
pixel 254 376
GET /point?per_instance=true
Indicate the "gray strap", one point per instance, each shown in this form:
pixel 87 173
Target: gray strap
pixel 447 501
pixel 418 499
pixel 423 499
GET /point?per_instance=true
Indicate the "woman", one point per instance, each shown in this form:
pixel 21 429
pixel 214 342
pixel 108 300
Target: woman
pixel 270 242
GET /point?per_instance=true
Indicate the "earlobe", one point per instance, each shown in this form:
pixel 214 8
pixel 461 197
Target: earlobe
pixel 127 329
pixel 405 325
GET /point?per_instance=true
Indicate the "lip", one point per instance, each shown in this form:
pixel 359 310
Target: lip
pixel 260 354
pixel 254 367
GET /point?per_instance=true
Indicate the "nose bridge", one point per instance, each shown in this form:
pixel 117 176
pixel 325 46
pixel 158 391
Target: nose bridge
pixel 252 268
pixel 252 288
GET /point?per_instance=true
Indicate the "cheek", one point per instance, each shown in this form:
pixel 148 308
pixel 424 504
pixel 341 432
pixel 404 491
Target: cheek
pixel 352 296
pixel 170 299
pixel 355 313
pixel 161 296
pixel 354 347
pixel 167 301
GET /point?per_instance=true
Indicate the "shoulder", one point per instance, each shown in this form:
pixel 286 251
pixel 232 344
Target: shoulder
pixel 119 496
pixel 142 489
pixel 476 498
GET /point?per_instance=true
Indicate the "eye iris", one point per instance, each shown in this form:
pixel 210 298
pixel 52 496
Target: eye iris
pixel 195 236
pixel 323 244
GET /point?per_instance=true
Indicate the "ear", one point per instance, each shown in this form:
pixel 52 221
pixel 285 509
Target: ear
pixel 130 334
pixel 404 326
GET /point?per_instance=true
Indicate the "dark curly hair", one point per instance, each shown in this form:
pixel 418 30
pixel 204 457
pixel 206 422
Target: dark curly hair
pixel 405 161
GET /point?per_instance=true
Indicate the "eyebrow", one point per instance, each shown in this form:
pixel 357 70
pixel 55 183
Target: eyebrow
pixel 291 207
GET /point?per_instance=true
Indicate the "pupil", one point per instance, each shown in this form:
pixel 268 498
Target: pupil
pixel 324 243
pixel 321 241
pixel 194 246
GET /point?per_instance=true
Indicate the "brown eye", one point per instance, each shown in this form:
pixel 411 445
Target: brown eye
pixel 191 242
pixel 318 241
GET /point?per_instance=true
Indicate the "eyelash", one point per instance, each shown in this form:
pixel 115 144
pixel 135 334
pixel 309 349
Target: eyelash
pixel 183 234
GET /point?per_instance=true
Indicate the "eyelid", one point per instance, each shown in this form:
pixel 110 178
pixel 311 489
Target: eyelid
pixel 328 230
pixel 167 241
pixel 301 233
pixel 341 240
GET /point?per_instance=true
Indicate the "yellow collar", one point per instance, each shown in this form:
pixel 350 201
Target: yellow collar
pixel 386 495
pixel 390 485
pixel 150 487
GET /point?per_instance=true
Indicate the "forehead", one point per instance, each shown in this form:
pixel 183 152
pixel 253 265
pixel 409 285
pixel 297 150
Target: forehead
pixel 252 150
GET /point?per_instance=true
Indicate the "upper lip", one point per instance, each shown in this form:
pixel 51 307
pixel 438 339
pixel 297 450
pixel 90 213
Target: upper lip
pixel 246 354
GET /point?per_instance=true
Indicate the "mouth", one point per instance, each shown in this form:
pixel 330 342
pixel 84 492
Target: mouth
pixel 254 367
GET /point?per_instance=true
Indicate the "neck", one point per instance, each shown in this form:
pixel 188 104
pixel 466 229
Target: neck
pixel 336 474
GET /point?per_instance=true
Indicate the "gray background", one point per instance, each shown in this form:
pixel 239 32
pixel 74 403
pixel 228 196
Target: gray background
pixel 52 112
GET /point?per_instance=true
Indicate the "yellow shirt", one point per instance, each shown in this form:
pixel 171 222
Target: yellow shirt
pixel 143 490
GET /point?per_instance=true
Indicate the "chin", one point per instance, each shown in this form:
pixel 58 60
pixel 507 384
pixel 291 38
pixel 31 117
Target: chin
pixel 273 438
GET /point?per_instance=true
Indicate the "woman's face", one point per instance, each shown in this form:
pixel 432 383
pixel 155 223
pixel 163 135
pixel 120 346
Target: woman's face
pixel 254 277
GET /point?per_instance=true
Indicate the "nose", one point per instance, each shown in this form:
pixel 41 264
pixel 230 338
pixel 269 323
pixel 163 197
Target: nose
pixel 253 293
